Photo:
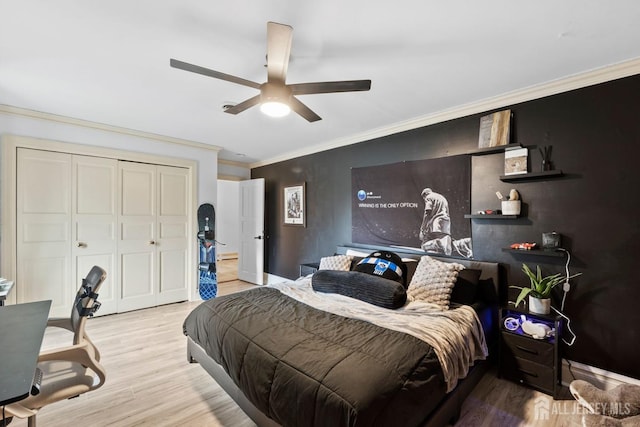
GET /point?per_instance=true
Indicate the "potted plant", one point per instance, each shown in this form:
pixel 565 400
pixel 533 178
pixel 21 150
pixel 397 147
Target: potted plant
pixel 539 292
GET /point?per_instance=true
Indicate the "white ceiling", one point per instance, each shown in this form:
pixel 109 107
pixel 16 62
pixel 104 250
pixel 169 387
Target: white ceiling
pixel 108 61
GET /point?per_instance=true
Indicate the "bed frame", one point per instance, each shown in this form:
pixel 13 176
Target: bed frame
pixel 447 412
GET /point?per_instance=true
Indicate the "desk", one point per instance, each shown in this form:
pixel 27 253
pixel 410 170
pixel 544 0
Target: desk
pixel 21 332
pixel 5 288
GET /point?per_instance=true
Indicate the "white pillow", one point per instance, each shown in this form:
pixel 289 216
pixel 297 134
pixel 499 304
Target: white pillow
pixel 433 281
pixel 354 253
pixel 336 262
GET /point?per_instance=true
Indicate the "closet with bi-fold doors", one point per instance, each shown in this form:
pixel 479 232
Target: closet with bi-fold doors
pixel 74 211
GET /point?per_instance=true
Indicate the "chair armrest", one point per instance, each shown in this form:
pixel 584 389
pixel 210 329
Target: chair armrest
pixel 75 353
pixel 80 353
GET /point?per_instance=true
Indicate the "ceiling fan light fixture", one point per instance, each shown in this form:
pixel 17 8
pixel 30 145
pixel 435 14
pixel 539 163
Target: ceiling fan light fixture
pixel 277 98
pixel 275 108
pixel 274 99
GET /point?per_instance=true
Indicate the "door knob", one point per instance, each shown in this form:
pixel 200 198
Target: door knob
pixel 258 237
pixel 81 245
pixel 152 242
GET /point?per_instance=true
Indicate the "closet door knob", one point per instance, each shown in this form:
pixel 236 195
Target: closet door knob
pixel 152 242
pixel 81 245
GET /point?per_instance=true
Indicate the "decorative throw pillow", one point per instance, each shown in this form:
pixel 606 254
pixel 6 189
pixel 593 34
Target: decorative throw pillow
pixel 465 291
pixel 336 262
pixel 433 281
pixel 365 287
pixel 412 265
pixel 383 264
pixel 355 253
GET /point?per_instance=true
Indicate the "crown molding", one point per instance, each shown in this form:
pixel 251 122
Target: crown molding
pixel 577 81
pixel 233 163
pixel 230 178
pixel 9 109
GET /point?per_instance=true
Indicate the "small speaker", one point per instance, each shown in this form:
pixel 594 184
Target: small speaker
pixel 551 240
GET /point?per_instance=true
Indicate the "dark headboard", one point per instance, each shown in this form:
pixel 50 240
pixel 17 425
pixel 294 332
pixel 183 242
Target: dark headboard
pixel 490 270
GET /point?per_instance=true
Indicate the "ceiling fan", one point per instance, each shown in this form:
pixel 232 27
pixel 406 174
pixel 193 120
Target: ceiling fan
pixel 277 98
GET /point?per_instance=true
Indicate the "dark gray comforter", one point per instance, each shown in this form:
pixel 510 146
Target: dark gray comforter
pixel 306 367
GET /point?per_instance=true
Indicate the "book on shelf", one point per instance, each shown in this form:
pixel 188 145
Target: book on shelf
pixel 515 161
pixel 495 129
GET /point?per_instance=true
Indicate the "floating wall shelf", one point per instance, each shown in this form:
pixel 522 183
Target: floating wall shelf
pixel 497 149
pixel 491 216
pixel 531 176
pixel 535 252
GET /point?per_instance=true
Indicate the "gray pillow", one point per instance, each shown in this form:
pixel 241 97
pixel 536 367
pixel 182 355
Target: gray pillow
pixel 365 287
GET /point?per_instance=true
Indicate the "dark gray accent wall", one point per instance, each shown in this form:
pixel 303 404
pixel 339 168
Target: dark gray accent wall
pixel 595 134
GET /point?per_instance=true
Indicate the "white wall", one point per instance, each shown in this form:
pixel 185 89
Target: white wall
pixel 233 171
pixel 227 217
pixel 18 122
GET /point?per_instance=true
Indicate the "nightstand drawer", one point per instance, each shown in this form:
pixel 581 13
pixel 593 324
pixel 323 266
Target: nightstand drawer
pixel 527 348
pixel 529 373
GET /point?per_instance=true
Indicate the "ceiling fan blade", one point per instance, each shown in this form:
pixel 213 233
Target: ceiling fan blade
pixel 330 87
pixel 239 108
pixel 211 73
pixel 303 110
pixel 279 38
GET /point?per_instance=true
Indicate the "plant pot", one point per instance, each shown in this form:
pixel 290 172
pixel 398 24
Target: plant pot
pixel 511 207
pixel 539 306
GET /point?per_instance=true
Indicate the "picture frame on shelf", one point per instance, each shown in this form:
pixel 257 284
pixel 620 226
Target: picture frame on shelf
pixel 516 161
pixel 295 205
pixel 495 129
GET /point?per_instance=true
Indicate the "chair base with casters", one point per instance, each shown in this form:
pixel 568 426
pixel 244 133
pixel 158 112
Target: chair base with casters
pixel 72 370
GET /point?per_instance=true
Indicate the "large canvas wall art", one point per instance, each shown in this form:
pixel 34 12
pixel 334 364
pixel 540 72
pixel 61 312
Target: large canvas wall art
pixel 417 204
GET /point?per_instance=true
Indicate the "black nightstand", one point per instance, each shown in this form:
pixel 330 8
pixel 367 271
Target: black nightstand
pixel 527 360
pixel 309 268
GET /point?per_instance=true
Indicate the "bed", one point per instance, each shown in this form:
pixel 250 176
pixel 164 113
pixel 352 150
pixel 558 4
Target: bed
pixel 290 355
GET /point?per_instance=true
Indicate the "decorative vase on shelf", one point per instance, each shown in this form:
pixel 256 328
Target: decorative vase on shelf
pixel 539 306
pixel 510 207
pixel 546 158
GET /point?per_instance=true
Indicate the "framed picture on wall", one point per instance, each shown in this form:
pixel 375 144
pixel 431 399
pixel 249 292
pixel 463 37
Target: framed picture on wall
pixel 294 205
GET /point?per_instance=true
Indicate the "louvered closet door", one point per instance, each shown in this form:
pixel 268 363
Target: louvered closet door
pixel 44 229
pixel 94 224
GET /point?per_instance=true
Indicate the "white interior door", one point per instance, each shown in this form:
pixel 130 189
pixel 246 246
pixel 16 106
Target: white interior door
pixel 137 236
pixel 44 229
pixel 251 248
pixel 173 234
pixel 94 217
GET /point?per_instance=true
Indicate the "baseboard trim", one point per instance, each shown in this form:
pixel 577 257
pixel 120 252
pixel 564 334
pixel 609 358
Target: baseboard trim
pixel 599 377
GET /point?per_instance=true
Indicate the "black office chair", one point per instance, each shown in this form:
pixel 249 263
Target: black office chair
pixel 72 370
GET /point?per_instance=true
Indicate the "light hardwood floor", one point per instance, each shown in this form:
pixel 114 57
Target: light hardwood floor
pixel 150 383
